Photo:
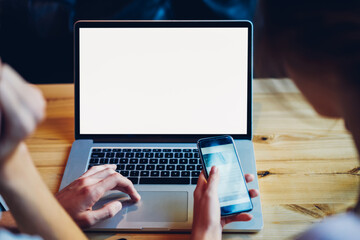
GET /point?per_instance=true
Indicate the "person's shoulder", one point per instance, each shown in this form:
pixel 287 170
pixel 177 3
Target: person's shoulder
pixel 6 235
pixel 342 226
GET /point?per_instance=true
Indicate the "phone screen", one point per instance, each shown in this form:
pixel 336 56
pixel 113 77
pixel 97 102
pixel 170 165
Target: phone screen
pixel 232 188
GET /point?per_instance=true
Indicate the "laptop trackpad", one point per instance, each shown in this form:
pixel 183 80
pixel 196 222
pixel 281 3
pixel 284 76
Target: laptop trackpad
pixel 159 207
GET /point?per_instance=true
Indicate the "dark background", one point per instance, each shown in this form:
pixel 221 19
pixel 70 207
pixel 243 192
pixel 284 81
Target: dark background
pixel 36 37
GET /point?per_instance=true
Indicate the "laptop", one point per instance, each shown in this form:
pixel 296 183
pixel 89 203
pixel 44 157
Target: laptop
pixel 145 92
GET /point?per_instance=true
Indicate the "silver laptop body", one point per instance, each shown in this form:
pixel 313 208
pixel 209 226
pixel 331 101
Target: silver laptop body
pixel 145 85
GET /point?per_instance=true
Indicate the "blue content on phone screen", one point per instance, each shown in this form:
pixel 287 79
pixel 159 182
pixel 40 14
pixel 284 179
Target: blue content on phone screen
pixel 232 189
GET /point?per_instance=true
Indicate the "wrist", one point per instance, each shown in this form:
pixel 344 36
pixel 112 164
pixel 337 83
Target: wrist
pixel 210 233
pixel 207 235
pixel 14 167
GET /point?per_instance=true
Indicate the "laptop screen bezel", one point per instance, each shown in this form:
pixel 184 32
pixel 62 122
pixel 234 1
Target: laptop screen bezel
pixel 158 138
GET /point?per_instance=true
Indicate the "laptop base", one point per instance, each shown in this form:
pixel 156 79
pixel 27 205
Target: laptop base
pixel 163 207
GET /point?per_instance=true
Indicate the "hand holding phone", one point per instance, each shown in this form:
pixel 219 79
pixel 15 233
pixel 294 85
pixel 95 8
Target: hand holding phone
pixel 207 223
pixel 233 194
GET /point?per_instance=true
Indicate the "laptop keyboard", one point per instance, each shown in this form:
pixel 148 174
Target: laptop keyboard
pixel 151 165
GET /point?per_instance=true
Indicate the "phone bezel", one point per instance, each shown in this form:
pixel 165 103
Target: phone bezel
pixel 216 141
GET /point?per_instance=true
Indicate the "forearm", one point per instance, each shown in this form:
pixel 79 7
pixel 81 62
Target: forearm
pixel 206 235
pixel 34 208
pixel 205 232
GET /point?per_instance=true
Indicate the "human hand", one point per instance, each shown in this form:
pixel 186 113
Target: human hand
pixel 80 196
pixel 207 220
pixel 22 108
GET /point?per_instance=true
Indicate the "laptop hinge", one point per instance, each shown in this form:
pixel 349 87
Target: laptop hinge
pixel 157 139
pixel 144 140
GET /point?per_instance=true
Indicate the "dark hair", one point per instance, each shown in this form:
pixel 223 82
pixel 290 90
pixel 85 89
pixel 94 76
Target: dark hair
pixel 311 34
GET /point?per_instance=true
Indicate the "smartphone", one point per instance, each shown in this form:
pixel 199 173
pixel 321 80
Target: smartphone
pixel 233 194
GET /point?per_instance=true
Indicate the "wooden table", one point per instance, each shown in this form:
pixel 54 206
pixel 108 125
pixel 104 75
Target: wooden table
pixel 307 165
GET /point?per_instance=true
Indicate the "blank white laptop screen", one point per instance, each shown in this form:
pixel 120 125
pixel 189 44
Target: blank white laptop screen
pixel 163 80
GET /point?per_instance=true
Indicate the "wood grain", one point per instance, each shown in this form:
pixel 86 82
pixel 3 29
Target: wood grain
pixel 307 165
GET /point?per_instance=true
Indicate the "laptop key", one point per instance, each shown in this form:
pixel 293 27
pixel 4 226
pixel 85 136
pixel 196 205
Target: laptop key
pixel 134 180
pixel 196 150
pixel 154 161
pixel 195 174
pixel 126 150
pixel 113 161
pixel 144 161
pixel 160 167
pixel 173 161
pixel 139 155
pixel 110 154
pixel 165 173
pixel 150 167
pixel 179 155
pixel 124 161
pixel 98 155
pixel 144 173
pixel 183 161
pixel 137 150
pixel 107 150
pixel 199 167
pixel 175 174
pixel 159 155
pixel 165 180
pixel 156 150
pixel 120 167
pixel 186 150
pixel 169 155
pixel 94 160
pixel 96 150
pixel 140 167
pixel 130 167
pixel 163 161
pixel 149 155
pixel 196 155
pixel 194 180
pixel 104 160
pixel 185 173
pixel 124 173
pixel 120 155
pixel 194 161
pixel 155 173
pixel 190 167
pixel 117 150
pixel 129 155
pixel 176 150
pixel 134 161
pixel 166 150
pixel 146 150
pixel 134 173
pixel 188 155
pixel 180 167
pixel 170 167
